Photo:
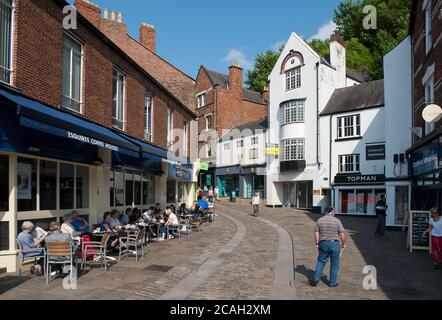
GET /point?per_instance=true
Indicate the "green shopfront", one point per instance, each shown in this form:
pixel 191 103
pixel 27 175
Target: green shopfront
pixel 244 181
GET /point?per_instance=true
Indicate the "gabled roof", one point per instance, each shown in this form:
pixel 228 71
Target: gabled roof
pixel 222 80
pixel 363 96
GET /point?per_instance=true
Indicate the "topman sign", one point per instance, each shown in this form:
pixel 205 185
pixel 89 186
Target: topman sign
pixel 360 179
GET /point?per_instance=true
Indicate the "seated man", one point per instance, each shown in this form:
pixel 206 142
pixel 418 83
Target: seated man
pixel 27 242
pixel 182 210
pixel 171 223
pixel 68 228
pixel 126 217
pixel 57 236
pixel 80 225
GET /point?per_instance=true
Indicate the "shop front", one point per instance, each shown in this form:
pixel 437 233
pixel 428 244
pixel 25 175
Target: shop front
pixel 252 180
pixel 358 194
pixel 180 184
pixel 228 180
pixel 52 162
pixel 425 171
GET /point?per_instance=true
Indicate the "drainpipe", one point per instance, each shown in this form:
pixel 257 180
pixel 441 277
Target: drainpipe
pixel 317 114
pixel 330 163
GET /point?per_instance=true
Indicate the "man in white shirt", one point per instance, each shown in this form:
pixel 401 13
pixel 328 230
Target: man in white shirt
pixel 171 223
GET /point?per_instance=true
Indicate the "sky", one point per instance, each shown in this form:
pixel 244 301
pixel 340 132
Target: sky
pixel 216 33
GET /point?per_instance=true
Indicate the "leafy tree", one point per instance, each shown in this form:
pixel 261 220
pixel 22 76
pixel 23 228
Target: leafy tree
pixel 257 78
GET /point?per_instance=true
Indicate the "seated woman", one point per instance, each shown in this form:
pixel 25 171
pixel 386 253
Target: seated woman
pixel 67 227
pixel 171 223
pixel 114 222
pixel 106 226
pixel 79 224
pixel 27 242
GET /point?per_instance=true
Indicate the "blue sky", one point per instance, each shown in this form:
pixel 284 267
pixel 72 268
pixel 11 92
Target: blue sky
pixel 213 33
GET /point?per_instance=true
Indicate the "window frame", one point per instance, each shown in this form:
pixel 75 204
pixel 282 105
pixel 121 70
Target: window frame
pixel 293 78
pixel 76 40
pixel 115 120
pixel 10 68
pixel 170 119
pixel 354 125
pixel 148 125
pixel 202 100
pixel 209 122
pixel 428 26
pixel 355 163
pixel 253 154
pixel 293 111
pixel 142 178
pixel 292 154
pixel 429 99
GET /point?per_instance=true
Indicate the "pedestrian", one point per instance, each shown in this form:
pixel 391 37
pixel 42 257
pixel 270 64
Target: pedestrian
pixel 200 193
pixel 210 194
pixel 256 201
pixel 216 193
pixel 381 214
pixel 436 237
pixel 330 240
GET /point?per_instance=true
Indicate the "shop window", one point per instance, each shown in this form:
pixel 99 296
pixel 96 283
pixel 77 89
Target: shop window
pixel 66 186
pixel 145 190
pixel 26 184
pixel 48 185
pixel 4 236
pixel 119 189
pixel 151 191
pixel 171 191
pixel 137 189
pixel 129 184
pixel 82 187
pixel 4 183
pixel 347 201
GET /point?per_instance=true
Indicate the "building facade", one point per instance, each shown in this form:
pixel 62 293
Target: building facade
pixel 425 155
pixel 83 125
pixel 222 104
pixel 301 84
pixel 241 160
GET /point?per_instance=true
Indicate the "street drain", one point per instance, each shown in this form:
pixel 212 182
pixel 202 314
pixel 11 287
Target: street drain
pixel 158 268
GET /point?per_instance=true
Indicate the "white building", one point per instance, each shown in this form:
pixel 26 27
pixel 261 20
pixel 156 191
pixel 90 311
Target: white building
pixel 301 84
pixel 241 160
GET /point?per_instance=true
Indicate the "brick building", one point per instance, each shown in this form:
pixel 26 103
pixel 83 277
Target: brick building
pixel 425 155
pixel 223 103
pixel 83 124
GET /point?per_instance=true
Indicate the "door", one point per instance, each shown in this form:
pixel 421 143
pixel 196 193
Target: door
pixel 302 195
pixel 287 198
pixel 401 204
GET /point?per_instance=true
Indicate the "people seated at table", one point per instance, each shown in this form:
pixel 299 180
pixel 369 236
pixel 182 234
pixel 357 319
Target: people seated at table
pixel 171 223
pixel 106 226
pixel 56 235
pixel 125 219
pixel 80 224
pixel 158 214
pixel 135 217
pixel 68 228
pixel 114 222
pixel 27 242
pixel 148 218
pixel 182 210
pixel 148 215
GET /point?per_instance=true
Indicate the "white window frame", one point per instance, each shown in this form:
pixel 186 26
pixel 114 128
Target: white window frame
pixel 293 112
pixel 254 141
pixel 429 99
pixel 71 80
pixel 202 100
pixel 293 78
pixel 253 154
pixel 427 26
pixel 148 125
pixel 293 149
pixel 207 122
pixel 119 119
pixel 240 144
pixel 185 139
pixel 349 126
pixel 169 127
pixel 349 163
pixel 10 69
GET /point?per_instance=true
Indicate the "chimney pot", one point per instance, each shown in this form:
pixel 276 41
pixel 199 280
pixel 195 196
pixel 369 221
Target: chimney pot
pixel 120 17
pixel 106 13
pixel 113 15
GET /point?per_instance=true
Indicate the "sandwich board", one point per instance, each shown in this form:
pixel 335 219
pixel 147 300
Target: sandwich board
pixel 419 222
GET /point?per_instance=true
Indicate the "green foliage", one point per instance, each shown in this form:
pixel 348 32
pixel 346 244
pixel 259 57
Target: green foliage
pixel 257 78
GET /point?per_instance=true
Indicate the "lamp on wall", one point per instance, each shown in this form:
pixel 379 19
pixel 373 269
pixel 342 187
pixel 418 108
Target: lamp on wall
pixel 34 149
pixel 98 162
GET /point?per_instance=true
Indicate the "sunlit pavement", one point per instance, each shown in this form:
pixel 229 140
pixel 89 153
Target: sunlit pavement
pixel 242 257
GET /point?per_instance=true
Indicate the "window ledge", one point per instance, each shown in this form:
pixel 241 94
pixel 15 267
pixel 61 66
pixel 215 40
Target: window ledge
pixel 348 139
pixel 296 122
pixel 347 173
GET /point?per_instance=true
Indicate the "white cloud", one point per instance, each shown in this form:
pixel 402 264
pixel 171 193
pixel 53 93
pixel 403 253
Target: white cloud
pixel 235 55
pixel 277 45
pixel 325 31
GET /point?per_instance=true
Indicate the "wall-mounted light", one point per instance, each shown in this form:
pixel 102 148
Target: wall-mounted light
pixel 98 162
pixel 34 149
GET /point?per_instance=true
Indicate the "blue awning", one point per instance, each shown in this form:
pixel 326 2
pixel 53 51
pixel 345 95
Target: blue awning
pixel 40 117
pixel 149 164
pixel 147 148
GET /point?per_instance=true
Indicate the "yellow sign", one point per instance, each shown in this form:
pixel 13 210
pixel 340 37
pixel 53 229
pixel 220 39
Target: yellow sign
pixel 317 192
pixel 272 151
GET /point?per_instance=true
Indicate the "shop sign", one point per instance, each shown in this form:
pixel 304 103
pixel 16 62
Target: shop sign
pixel 375 152
pixel 316 192
pixel 360 179
pixel 91 141
pixel 425 160
pixel 272 151
pixel 203 165
pixel 180 172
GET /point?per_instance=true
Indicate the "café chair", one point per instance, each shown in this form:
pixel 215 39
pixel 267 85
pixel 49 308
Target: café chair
pixel 22 259
pixel 96 249
pixel 60 253
pixel 132 240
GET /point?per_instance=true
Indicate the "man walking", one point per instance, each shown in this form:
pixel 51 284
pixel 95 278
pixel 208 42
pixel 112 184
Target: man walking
pixel 256 201
pixel 381 214
pixel 330 239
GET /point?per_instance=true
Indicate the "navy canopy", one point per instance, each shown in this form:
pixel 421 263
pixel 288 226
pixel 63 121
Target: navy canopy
pixel 45 119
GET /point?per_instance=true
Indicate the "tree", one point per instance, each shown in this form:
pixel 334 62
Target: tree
pixel 392 27
pixel 257 78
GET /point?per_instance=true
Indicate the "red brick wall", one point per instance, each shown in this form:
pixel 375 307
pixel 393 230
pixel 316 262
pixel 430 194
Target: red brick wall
pixel 422 60
pixel 38 71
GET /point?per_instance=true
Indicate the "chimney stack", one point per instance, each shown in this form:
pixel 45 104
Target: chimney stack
pixel 236 79
pixel 265 94
pixel 112 21
pixel 148 36
pixel 338 59
pixel 89 10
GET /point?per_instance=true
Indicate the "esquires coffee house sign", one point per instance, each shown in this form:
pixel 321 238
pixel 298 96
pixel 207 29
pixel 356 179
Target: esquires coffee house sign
pixel 360 179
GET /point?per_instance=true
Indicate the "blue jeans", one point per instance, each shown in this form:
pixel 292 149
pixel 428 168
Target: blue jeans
pixel 328 249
